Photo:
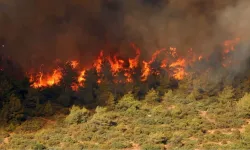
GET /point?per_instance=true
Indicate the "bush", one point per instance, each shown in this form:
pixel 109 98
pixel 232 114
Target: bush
pixel 110 102
pixel 38 146
pixel 48 110
pixel 13 110
pixel 117 144
pixel 126 102
pixel 157 138
pixel 11 127
pixel 77 115
pixel 152 147
pixel 104 118
pixel 194 95
pixel 168 96
pixel 243 105
pixel 152 96
pixel 226 95
pixel 31 125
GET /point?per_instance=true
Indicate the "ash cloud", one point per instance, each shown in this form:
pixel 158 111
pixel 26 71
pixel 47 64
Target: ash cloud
pixel 38 32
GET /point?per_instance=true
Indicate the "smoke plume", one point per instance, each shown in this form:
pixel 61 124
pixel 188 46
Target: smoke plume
pixel 41 31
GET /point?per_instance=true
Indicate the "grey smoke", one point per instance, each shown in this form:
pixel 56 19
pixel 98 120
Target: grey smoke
pixel 38 32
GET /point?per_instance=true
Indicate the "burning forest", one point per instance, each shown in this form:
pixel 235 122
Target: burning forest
pixel 165 61
pixel 114 74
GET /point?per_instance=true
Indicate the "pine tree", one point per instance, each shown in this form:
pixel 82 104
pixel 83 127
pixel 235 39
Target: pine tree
pixel 103 92
pixel 152 96
pixel 110 103
pixel 13 110
pixel 48 110
pixel 226 95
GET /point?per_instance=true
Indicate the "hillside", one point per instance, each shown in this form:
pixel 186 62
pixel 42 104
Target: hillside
pixel 173 121
pixel 124 74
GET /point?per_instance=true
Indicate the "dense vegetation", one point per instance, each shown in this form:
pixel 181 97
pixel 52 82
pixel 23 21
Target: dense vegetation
pixel 161 113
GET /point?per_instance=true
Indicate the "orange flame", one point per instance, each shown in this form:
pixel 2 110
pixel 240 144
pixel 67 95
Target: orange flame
pixel 133 62
pixel 173 52
pixel 74 64
pixel 229 45
pixel 46 80
pixel 146 70
pixel 81 77
pixel 98 62
pixel 179 69
pixel 116 65
pixel 171 62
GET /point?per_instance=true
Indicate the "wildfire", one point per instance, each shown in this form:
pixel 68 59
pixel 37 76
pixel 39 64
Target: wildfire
pixel 173 52
pixel 74 63
pixel 44 80
pixel 179 69
pixel 98 62
pixel 116 64
pixel 145 71
pixel 133 62
pixel 229 45
pixel 171 63
pixel 81 77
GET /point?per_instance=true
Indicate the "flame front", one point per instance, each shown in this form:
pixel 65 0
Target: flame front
pixel 172 63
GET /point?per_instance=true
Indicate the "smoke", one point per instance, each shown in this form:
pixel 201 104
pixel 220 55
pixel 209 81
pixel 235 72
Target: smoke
pixel 235 19
pixel 38 32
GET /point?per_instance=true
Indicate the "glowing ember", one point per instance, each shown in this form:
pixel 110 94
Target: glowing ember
pixel 173 52
pixel 74 87
pixel 164 63
pixel 74 64
pixel 200 57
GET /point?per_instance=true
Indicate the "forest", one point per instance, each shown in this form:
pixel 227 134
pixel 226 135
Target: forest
pixel 116 74
pixel 197 112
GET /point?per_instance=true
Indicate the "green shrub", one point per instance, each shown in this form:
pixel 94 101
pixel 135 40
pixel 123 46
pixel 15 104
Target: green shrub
pixel 48 110
pixel 110 102
pixel 152 96
pixel 126 102
pixel 103 118
pixel 157 138
pixel 12 111
pixel 11 127
pixel 168 96
pixel 243 105
pixel 152 147
pixel 120 144
pixel 31 125
pixel 38 146
pixel 77 115
pixel 226 95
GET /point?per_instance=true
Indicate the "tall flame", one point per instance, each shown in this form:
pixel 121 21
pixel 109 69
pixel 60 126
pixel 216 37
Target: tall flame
pixel 98 62
pixel 116 64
